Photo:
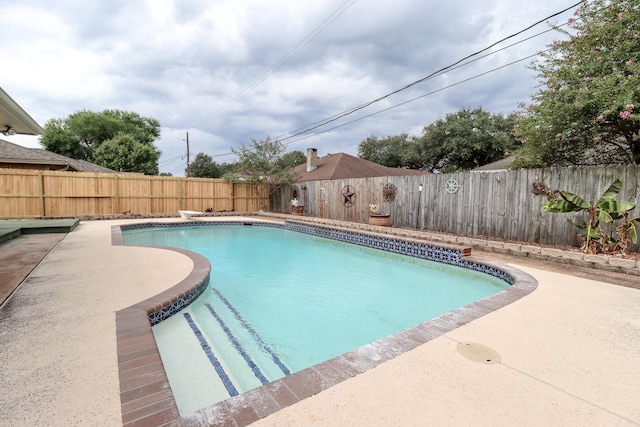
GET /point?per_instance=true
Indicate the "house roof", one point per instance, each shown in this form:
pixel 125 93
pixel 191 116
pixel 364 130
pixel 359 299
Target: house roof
pixel 343 166
pixel 499 165
pixel 13 117
pixel 15 154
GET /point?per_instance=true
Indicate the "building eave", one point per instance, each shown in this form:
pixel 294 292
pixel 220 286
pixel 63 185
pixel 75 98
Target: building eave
pixel 14 117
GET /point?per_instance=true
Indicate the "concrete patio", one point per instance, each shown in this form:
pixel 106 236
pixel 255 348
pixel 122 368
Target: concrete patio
pixel 568 351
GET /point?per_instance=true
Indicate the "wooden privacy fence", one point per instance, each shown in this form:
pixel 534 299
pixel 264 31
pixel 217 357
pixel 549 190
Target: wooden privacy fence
pixel 499 204
pixel 30 193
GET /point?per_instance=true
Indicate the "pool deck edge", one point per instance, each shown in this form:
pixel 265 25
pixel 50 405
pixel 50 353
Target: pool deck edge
pixel 145 392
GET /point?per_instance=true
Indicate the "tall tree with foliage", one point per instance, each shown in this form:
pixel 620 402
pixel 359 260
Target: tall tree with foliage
pixel 262 162
pixel 587 111
pixel 203 166
pixel 465 140
pixel 124 153
pixel 398 151
pixel 292 159
pixel 81 135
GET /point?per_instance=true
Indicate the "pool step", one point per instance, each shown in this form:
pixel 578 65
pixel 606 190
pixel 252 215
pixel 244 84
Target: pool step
pixel 243 356
pixel 188 365
pixel 210 357
pixel 255 336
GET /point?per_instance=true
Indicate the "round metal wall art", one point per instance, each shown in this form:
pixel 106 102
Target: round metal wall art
pixel 389 192
pixel 451 186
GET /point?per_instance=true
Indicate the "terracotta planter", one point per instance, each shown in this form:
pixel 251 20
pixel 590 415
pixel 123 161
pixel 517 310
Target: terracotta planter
pixel 380 220
pixel 297 210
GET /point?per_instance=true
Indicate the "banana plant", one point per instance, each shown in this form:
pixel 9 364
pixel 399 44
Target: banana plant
pixel 606 209
pixel 627 231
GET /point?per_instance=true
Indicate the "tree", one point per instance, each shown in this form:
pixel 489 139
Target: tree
pixel 465 140
pixel 82 133
pixel 399 151
pixel 262 162
pixel 124 153
pixel 57 138
pixel 586 111
pixel 226 168
pixel 292 159
pixel 203 166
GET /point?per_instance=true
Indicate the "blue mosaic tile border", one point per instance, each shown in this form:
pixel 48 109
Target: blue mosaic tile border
pixel 174 308
pixel 426 251
pixel 451 256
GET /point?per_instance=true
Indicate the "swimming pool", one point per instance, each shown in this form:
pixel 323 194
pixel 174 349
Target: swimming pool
pixel 199 320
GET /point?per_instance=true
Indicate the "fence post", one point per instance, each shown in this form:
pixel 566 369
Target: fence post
pixel 41 189
pixel 117 195
pixel 180 193
pixel 419 215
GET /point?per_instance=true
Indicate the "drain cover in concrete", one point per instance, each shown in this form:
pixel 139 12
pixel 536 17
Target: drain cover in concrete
pixel 478 353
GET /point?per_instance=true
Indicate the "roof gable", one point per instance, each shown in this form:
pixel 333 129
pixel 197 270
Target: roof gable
pixel 15 154
pixel 344 166
pixel 498 165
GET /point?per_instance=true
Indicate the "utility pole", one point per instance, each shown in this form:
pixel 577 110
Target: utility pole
pixel 188 163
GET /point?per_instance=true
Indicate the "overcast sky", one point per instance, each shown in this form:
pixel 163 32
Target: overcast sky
pixel 227 71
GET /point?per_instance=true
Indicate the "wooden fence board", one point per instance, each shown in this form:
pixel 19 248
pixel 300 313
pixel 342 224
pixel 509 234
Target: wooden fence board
pixel 498 204
pixel 31 193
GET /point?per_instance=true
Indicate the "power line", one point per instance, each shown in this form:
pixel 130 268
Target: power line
pixel 418 97
pixel 431 93
pixel 460 66
pixel 304 42
pixel 453 66
pixel 427 94
pixel 180 168
pixel 171 160
pixel 421 96
pixel 366 104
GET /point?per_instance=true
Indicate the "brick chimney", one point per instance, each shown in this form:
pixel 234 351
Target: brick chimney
pixel 312 159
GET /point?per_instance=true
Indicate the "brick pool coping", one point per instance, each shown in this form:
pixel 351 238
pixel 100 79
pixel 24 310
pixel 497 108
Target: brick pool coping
pixel 145 392
pixel 606 262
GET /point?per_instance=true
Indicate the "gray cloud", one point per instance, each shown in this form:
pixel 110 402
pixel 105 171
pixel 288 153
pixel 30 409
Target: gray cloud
pixel 187 65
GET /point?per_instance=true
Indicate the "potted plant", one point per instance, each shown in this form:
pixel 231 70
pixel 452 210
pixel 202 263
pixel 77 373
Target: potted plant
pixel 296 209
pixel 378 217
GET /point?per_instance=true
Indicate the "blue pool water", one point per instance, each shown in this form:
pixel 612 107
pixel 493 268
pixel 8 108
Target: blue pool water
pixel 280 301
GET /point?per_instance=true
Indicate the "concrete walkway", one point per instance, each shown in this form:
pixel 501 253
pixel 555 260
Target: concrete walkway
pixel 20 255
pixel 568 352
pixel 57 330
